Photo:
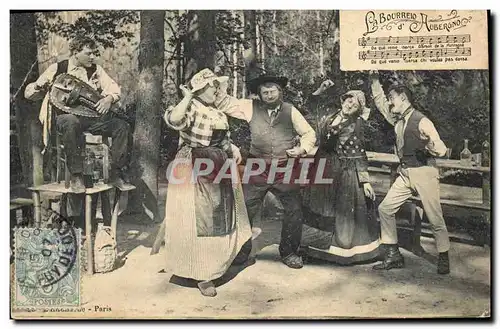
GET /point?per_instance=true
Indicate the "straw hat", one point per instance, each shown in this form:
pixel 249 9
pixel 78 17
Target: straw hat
pixel 204 77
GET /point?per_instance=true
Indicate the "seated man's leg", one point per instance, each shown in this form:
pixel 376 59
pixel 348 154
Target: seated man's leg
pixel 71 129
pixel 119 130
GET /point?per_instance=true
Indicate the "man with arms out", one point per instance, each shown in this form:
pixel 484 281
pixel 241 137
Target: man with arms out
pixel 274 125
pixel 418 143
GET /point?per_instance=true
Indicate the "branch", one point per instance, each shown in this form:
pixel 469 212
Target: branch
pixel 13 98
pixel 171 29
pixel 329 23
pixel 302 43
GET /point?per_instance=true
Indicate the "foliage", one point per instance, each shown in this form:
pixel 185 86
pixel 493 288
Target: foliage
pixel 104 25
pixel 456 101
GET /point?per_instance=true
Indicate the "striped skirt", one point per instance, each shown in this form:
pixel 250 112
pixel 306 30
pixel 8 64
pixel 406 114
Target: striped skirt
pixel 206 223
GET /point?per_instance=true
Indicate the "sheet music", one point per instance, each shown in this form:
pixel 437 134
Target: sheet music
pixel 430 40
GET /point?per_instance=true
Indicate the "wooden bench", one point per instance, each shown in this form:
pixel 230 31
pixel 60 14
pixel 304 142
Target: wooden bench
pixel 20 204
pixel 480 202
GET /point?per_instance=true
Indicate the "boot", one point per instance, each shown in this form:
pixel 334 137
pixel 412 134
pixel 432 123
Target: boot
pixel 120 179
pixel 443 266
pixel 76 183
pixel 393 259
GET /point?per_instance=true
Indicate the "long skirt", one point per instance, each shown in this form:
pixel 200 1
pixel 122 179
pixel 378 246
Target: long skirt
pixel 340 223
pixel 206 222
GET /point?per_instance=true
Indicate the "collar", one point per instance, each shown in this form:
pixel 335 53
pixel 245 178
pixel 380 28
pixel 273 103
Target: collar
pixel 72 65
pixel 406 114
pixel 211 106
pixel 277 108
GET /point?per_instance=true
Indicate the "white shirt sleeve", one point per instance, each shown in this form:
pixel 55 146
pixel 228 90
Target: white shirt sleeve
pixel 306 132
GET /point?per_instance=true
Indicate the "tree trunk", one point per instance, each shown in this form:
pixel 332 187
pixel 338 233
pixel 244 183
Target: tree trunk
pixel 200 47
pixel 260 46
pixel 242 50
pixel 320 41
pixel 275 40
pixel 253 69
pixel 149 109
pixel 23 48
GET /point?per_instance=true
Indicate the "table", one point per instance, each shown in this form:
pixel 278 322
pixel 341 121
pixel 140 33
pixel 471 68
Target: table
pixel 393 161
pixel 99 188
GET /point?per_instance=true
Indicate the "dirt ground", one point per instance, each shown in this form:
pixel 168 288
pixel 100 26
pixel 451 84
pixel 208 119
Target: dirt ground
pixel 140 287
pixel 269 289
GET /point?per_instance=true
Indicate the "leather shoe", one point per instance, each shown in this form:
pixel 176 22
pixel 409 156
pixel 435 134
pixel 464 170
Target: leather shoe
pixel 120 180
pixel 207 288
pixel 293 261
pixel 393 259
pixel 443 266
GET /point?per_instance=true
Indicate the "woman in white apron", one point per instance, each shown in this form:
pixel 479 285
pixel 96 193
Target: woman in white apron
pixel 207 227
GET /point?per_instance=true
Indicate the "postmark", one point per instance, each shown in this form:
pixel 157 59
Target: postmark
pixel 47 265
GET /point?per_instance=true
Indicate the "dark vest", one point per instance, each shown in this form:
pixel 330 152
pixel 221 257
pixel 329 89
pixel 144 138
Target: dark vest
pixel 271 141
pixel 414 152
pixel 62 67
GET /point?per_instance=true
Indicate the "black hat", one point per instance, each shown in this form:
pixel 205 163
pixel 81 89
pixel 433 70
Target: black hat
pixel 254 84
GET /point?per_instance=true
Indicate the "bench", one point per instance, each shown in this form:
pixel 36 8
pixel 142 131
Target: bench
pixel 20 204
pixel 477 200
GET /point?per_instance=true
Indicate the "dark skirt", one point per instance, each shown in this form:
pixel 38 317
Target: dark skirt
pixel 340 223
pixel 214 201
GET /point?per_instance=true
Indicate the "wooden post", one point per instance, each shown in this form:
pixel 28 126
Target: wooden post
pixel 106 208
pixel 485 156
pixel 37 207
pixel 116 208
pixel 88 234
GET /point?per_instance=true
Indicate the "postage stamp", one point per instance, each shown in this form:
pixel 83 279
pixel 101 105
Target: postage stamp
pixel 47 266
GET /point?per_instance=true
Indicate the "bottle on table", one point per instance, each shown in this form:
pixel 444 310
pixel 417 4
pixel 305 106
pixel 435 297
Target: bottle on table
pixel 88 170
pixel 466 155
pixel 486 154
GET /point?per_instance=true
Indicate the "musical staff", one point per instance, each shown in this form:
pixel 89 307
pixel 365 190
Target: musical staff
pixel 414 53
pixel 413 40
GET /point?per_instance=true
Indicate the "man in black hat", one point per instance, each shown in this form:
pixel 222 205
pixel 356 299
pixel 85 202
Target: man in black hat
pixel 274 127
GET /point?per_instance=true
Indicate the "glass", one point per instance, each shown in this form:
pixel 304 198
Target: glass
pixel 88 170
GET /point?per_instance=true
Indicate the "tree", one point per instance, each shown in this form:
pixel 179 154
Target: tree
pixel 145 153
pixel 23 58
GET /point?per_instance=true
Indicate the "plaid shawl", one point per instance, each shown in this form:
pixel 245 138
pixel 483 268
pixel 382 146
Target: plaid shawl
pixel 199 122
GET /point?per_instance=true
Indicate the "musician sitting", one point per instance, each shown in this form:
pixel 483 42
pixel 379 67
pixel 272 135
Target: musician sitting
pixel 71 127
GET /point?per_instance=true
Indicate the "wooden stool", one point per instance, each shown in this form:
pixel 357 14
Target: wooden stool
pixel 103 190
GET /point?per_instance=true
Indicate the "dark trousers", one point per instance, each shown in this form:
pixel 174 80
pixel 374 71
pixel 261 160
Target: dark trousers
pixel 289 195
pixel 71 127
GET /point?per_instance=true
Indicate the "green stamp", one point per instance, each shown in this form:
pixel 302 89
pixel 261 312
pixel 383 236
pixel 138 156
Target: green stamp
pixel 47 266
